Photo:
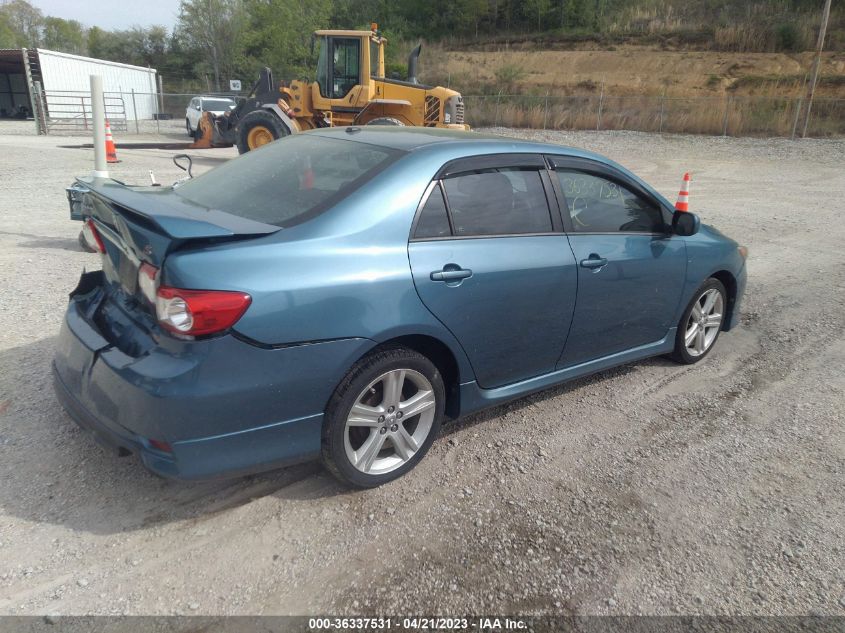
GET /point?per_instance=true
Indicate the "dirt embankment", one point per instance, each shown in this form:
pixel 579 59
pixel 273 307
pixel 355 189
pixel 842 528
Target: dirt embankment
pixel 638 70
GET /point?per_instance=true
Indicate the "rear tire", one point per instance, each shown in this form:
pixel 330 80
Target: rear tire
pixel 383 417
pixel 385 120
pixel 259 128
pixel 701 323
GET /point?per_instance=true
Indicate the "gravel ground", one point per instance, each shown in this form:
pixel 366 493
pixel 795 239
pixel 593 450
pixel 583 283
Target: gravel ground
pixel 648 489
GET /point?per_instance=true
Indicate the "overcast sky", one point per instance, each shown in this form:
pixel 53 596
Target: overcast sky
pixel 113 14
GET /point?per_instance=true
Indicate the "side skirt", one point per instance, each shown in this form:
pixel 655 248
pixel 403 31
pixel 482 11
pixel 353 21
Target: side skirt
pixel 475 398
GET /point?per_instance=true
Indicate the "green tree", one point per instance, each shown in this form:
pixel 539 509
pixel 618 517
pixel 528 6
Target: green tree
pixel 535 10
pixel 214 27
pixel 108 45
pixel 64 35
pixel 280 32
pixel 25 21
pixel 8 37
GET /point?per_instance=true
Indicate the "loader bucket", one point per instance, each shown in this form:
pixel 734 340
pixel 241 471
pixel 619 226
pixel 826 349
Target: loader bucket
pixel 208 135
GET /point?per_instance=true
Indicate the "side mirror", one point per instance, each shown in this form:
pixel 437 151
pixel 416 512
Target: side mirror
pixel 685 223
pixel 199 107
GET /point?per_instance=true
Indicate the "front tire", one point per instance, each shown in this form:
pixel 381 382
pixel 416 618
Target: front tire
pixel 188 128
pixel 699 328
pixel 383 417
pixel 259 128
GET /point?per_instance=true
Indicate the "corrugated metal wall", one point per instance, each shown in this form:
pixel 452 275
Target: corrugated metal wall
pixel 66 74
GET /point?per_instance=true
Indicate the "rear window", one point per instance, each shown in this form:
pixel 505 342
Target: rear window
pixel 289 181
pixel 217 104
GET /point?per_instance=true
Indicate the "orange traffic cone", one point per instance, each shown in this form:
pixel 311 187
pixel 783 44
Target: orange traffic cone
pixel 111 151
pixel 683 196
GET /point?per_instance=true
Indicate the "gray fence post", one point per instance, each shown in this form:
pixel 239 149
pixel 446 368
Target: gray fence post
pixel 662 112
pixel 798 107
pixel 498 99
pixel 725 122
pixel 134 111
pixel 546 111
pixel 601 100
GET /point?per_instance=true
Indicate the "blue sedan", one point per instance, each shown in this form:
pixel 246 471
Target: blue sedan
pixel 337 293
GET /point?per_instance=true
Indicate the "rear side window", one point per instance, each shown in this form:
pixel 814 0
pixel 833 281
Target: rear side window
pixel 434 219
pixel 502 201
pixel 289 181
pixel 598 205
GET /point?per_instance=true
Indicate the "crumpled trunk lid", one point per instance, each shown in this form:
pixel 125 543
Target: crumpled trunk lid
pixel 153 221
pixel 145 224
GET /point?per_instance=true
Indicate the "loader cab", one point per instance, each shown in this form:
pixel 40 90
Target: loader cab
pixel 346 62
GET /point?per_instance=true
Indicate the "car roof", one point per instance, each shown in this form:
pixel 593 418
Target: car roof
pixel 420 139
pixel 439 145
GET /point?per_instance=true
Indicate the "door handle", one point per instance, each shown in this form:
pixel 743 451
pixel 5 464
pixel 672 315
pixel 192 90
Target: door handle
pixel 450 274
pixel 594 261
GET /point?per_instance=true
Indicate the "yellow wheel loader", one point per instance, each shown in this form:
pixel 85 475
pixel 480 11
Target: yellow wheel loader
pixel 350 89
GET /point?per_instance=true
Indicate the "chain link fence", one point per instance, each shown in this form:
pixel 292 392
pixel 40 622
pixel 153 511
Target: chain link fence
pixel 146 113
pixel 726 116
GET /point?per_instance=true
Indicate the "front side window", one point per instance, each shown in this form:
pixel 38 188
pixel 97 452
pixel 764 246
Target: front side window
pixel 345 66
pixel 502 201
pixel 289 181
pixel 599 205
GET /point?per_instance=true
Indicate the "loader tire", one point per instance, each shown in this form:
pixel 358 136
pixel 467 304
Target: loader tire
pixel 259 128
pixel 385 120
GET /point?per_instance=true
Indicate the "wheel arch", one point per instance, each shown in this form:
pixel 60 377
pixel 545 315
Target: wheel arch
pixel 439 353
pixel 729 282
pixel 290 124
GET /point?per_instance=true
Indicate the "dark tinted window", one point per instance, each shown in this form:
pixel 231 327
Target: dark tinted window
pixel 598 205
pixel 345 72
pixel 289 181
pixel 498 202
pixel 433 220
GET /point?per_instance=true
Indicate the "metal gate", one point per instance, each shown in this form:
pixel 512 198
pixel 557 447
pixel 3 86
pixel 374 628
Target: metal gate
pixel 70 111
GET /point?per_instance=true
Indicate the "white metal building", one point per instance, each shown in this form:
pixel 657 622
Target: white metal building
pixel 55 87
pixel 65 73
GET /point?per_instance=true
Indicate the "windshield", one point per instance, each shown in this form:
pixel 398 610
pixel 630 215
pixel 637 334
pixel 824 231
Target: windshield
pixel 217 104
pixel 289 181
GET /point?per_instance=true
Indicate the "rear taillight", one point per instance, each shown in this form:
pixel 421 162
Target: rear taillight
pixel 92 236
pixel 148 281
pixel 197 312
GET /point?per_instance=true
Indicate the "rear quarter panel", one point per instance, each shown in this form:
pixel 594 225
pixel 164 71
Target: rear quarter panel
pixel 344 274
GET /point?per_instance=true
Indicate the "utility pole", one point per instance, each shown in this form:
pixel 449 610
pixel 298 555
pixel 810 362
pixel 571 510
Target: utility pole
pixel 816 62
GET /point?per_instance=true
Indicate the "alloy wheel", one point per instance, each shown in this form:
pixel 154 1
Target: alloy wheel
pixel 389 422
pixel 704 323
